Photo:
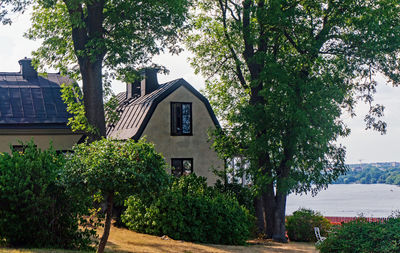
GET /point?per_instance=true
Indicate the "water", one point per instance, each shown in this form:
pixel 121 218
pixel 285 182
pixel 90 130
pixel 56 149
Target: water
pixel 350 200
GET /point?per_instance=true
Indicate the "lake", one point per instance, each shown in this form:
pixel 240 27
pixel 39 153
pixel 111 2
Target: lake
pixel 349 200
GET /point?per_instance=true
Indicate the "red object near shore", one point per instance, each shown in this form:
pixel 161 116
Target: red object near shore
pixel 339 220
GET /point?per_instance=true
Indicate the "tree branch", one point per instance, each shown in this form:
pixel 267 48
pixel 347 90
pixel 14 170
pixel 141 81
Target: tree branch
pixel 231 49
pixel 292 42
pixel 79 31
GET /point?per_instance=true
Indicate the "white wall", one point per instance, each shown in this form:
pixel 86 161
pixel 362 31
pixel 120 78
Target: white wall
pixel 158 131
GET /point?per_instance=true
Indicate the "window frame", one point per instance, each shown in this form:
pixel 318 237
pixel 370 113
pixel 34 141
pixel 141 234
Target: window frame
pixel 173 123
pixel 181 161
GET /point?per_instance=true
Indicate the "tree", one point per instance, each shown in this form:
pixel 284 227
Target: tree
pixel 113 169
pixel 119 35
pixel 280 74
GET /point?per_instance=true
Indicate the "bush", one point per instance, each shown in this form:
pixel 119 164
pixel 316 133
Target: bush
pixel 363 236
pixel 300 226
pixel 37 208
pixel 191 211
pixel 242 193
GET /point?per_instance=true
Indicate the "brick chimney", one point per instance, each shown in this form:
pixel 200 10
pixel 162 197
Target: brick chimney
pixel 133 90
pixel 149 82
pixel 27 70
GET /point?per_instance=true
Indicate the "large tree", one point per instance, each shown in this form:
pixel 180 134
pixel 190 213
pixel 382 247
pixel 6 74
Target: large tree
pixel 87 35
pixel 280 74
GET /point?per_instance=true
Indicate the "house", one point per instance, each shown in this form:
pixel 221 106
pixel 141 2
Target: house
pixel 31 108
pixel 175 117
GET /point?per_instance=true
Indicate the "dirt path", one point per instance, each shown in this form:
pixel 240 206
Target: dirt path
pixel 122 240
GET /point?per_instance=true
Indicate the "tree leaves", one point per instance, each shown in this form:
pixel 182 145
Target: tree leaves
pixel 303 62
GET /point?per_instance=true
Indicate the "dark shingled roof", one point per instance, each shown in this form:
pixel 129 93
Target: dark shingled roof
pixel 135 113
pixel 32 103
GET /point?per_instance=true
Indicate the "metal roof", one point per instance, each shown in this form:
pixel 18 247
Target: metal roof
pixel 33 102
pixel 135 113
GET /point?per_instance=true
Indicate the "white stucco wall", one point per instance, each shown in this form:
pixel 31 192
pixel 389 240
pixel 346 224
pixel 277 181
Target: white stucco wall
pixel 158 131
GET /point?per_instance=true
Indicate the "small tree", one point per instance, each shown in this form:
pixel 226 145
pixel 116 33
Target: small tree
pixel 111 168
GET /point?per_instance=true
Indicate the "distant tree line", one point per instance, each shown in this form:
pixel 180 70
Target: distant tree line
pixel 371 175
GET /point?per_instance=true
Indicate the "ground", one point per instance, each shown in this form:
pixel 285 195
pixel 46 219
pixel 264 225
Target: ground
pixel 123 240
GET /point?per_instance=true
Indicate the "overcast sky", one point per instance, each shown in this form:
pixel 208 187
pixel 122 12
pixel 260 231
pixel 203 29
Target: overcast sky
pixel 362 145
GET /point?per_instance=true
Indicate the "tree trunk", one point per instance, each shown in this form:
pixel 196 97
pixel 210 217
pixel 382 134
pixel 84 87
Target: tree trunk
pixel 107 225
pixel 93 95
pixel 279 234
pixel 259 208
pixel 269 209
pixel 90 58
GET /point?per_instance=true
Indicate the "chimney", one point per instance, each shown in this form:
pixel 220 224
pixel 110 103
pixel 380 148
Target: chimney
pixel 133 90
pixel 27 70
pixel 149 81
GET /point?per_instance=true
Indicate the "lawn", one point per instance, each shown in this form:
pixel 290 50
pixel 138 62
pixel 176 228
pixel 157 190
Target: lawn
pixel 123 240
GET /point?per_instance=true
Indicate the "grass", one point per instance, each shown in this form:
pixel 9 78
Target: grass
pixel 123 240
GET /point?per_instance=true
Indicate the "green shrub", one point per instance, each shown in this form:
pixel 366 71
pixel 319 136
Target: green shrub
pixel 191 211
pixel 242 193
pixel 360 236
pixel 300 225
pixel 37 207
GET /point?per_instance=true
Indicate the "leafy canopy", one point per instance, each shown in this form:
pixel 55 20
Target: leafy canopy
pixel 132 32
pixel 121 167
pixel 281 73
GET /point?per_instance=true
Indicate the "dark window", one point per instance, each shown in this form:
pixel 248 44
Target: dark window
pixel 181 118
pixel 182 166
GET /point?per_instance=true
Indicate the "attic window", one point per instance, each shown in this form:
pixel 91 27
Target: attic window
pixel 181 118
pixel 182 166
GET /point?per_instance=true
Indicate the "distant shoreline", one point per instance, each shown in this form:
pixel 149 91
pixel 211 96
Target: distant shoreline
pixel 385 173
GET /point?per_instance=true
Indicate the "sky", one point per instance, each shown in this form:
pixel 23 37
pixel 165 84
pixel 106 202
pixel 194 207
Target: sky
pixel 362 145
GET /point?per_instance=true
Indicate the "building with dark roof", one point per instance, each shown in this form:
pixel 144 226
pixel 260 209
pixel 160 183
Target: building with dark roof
pixel 31 108
pixel 175 117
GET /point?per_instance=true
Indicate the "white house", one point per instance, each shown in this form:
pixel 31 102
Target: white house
pixel 175 117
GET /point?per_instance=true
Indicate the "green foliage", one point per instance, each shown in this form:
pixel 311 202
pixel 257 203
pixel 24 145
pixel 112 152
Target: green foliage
pixel 361 236
pixel 243 194
pixel 280 74
pixel 371 175
pixel 121 167
pixel 73 98
pixel 300 225
pixel 113 170
pixel 270 64
pixel 142 29
pixel 191 211
pixel 38 208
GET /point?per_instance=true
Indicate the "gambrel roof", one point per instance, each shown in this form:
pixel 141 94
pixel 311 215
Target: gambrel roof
pixel 136 112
